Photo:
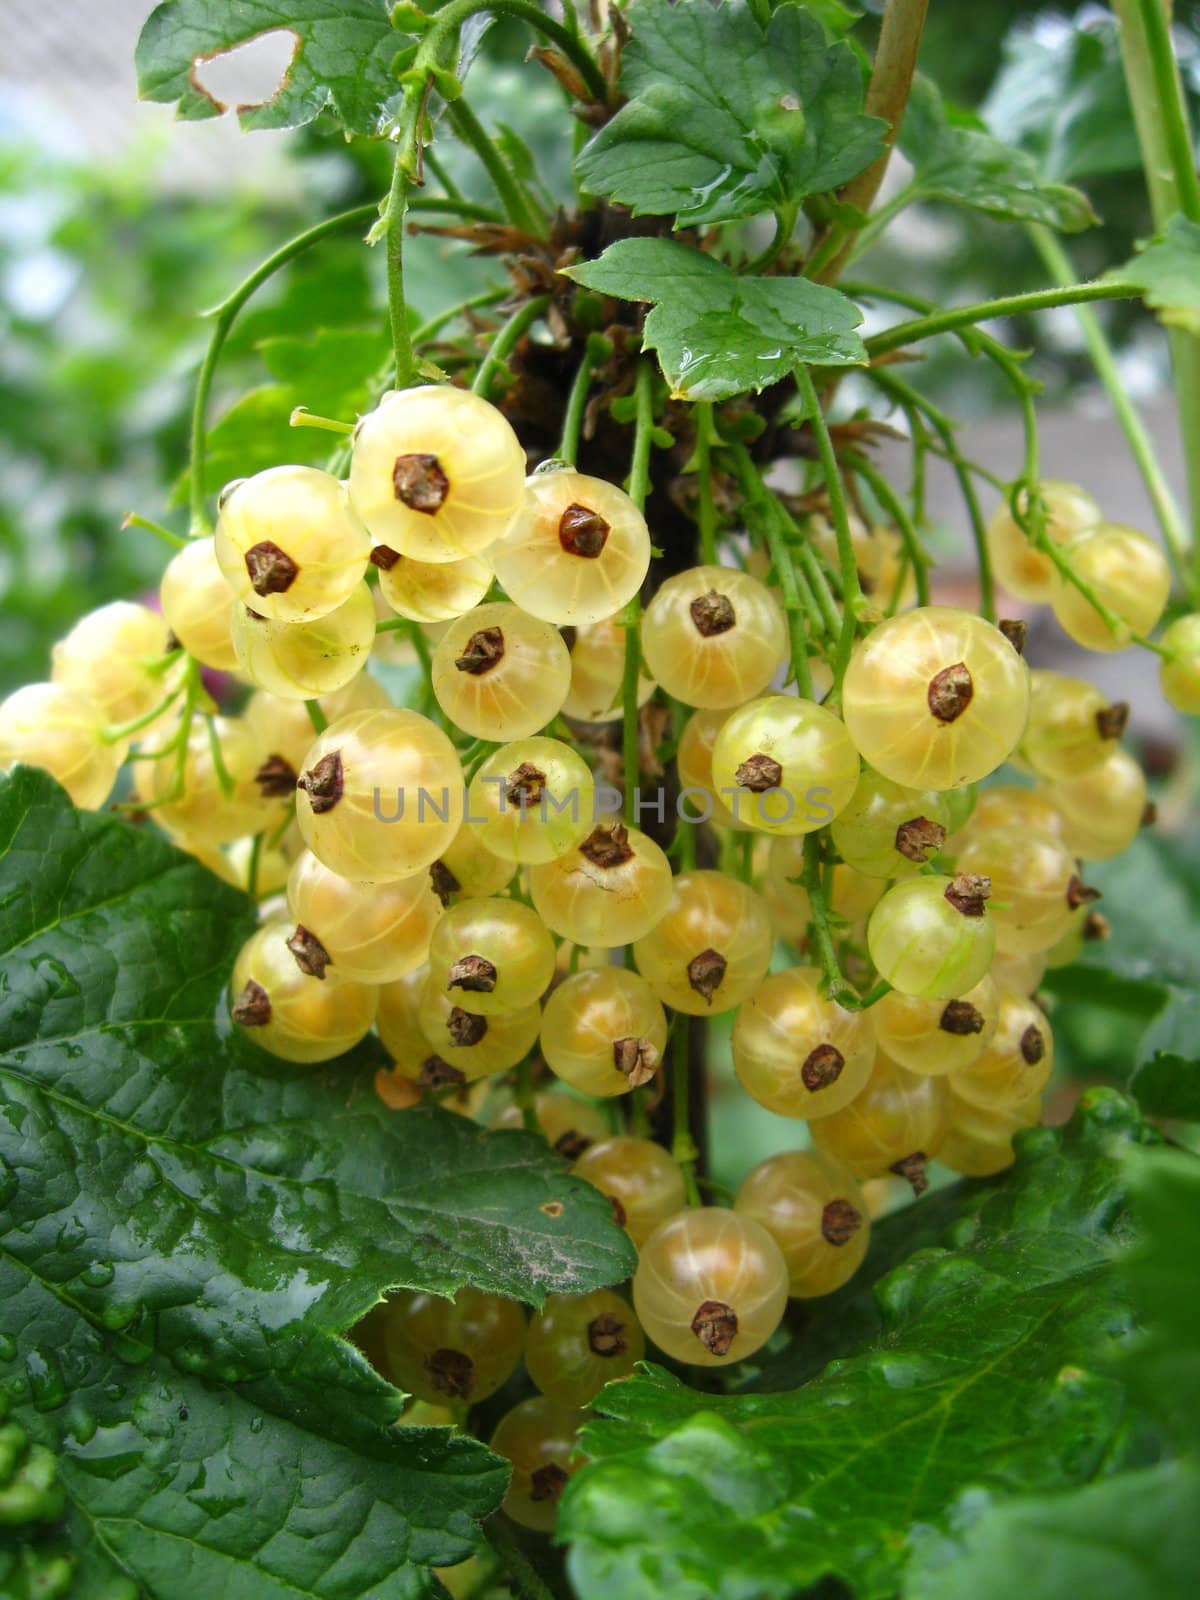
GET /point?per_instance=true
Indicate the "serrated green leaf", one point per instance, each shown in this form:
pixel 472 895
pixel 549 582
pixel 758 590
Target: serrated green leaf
pixel 725 118
pixel 342 59
pixel 1167 271
pixel 986 1371
pixel 968 166
pixel 184 1220
pixel 717 334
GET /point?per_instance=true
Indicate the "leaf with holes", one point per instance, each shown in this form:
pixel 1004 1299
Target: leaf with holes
pixel 718 334
pixel 727 117
pixel 981 1363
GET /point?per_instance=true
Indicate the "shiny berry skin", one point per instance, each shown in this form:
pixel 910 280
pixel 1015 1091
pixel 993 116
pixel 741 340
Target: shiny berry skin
pixel 499 673
pixel 713 637
pixel 711 949
pixel 979 1142
pixel 287 1011
pixel 436 473
pixel 1128 573
pixel 1035 885
pixel 491 956
pixel 1103 808
pixel 797 1052
pixel 452 1352
pixel 888 831
pixel 1018 1063
pixel 398 1023
pixel 532 801
pixel 816 1214
pixel 426 591
pixel 571 1125
pixel 105 658
pixel 467 1041
pixel 288 544
pixel 284 728
pixel 611 889
pixel 597 671
pixel 1021 974
pixel 380 795
pixel 924 943
pixel 467 869
pixel 1071 725
pixel 46 725
pixel 935 698
pixel 578 550
pixel 711 1286
pixel 1003 805
pixel 304 660
pixel 693 759
pixel 374 932
pixel 1179 671
pixel 896 1124
pixel 195 602
pixel 1019 566
pixel 604 1031
pixel 784 765
pixel 539 1438
pixel 579 1342
pixel 935 1037
pixel 204 814
pixel 639 1177
pixel 851 896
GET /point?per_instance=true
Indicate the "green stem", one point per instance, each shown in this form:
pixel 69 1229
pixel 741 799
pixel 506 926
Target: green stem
pixel 1013 305
pixel 818 583
pixel 134 519
pixel 224 777
pixel 302 417
pixel 498 1532
pixel 683 1148
pixel 316 716
pixel 442 38
pixel 706 502
pixel 891 506
pixel 836 984
pixel 446 205
pixel 488 297
pixel 638 487
pixel 404 170
pixel 759 509
pixel 839 516
pixel 256 847
pixel 124 730
pixel 519 206
pixel 595 350
pixel 524 1097
pixel 1170 519
pixel 506 340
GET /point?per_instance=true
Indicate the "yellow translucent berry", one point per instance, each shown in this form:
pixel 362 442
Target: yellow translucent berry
pixel 467 868
pixel 1006 806
pixel 1103 808
pixel 452 1352
pixel 196 605
pixel 797 1052
pixel 935 698
pixel 711 1286
pixel 815 1212
pixel 288 1011
pixel 1179 669
pixel 1017 1064
pixel 888 831
pixel 499 673
pixel 785 765
pixel 491 956
pixel 398 1023
pixel 469 1044
pixel 532 801
pixel 565 1121
pixel 604 1031
pixel 1071 725
pixel 579 1342
pixel 380 795
pixel 1035 885
pixel 895 1124
pixel 283 728
pixel 375 932
pixel 304 660
pixel 578 550
pixel 427 591
pixel 612 888
pixel 713 637
pixel 936 1037
pixel 852 895
pixel 1020 973
pixel 271 868
pixel 711 949
pixel 539 1438
pixel 203 813
pixel 932 936
pixel 49 726
pixel 109 657
pixel 1021 568
pixel 884 572
pixel 693 758
pixel 288 543
pixel 597 672
pixel 640 1178
pixel 1127 573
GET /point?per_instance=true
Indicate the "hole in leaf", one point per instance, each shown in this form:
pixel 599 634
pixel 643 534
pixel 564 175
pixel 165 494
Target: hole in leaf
pixel 250 74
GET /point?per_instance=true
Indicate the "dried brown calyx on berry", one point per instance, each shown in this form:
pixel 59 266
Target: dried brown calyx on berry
pixel 608 845
pixel 1096 926
pixel 526 786
pixel 1033 1045
pixel 1080 893
pixel 384 557
pixel 438 1074
pixel 618 1211
pixel 950 692
pixel 419 481
pixel 1015 632
pixel 713 613
pixel 451 1372
pixel 324 783
pixel 484 651
pixel 571 1143
pixel 547 1482
pixel 276 778
pixel 1111 721
pixel 606 1335
pixel 822 1067
pixel 474 973
pixel 969 893
pixel 918 839
pixel 271 570
pixel 311 955
pixel 758 773
pixel 961 1018
pixel 912 1169
pixel 443 882
pixel 636 1058
pixel 465 1027
pixel 840 1221
pixel 706 972
pixel 582 531
pixel 715 1325
pixel 252 1008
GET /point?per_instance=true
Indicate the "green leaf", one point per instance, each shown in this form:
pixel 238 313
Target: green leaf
pixel 978 1366
pixel 967 166
pixel 186 1222
pixel 341 61
pixel 725 118
pixel 1168 1083
pixel 1167 271
pixel 717 334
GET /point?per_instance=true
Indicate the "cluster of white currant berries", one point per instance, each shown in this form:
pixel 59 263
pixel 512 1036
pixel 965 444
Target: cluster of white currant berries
pixel 467 903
